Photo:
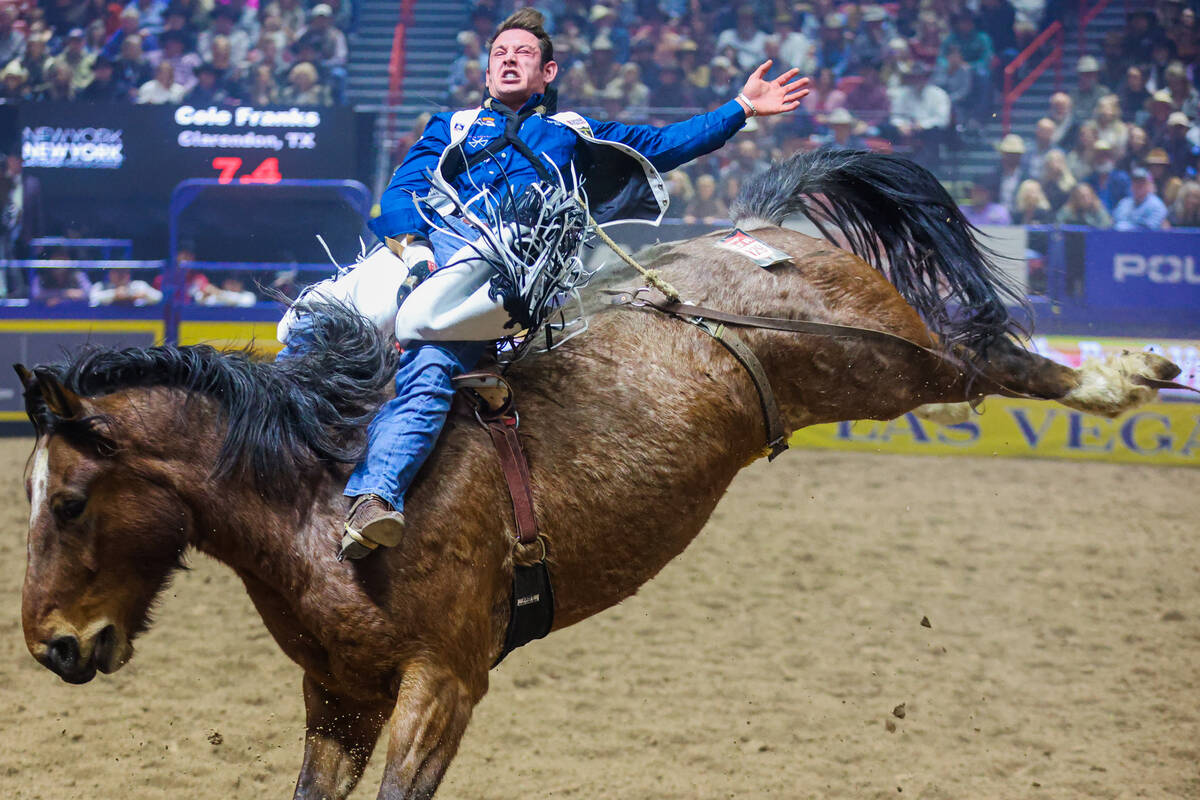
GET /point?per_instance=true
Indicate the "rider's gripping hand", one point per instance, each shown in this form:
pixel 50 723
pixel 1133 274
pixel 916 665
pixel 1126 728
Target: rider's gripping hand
pixel 764 98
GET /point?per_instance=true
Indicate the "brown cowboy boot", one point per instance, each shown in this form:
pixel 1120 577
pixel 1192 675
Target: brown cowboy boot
pixel 370 523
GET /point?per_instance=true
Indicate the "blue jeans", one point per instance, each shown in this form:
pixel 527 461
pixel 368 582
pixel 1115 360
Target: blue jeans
pixel 406 428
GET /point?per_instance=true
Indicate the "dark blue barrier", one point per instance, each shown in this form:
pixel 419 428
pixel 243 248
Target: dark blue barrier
pixel 1108 283
pixel 1143 269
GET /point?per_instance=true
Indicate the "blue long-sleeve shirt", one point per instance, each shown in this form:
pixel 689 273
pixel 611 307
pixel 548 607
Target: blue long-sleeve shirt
pixel 666 148
pixel 1130 215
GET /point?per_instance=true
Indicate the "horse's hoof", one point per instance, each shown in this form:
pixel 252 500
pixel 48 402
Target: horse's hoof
pixel 1108 388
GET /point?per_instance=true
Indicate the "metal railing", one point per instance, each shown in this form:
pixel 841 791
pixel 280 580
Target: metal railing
pixel 399 53
pixel 1087 15
pixel 1014 89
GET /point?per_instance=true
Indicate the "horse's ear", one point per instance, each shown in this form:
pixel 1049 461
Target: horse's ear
pixel 34 404
pixel 28 381
pixel 58 399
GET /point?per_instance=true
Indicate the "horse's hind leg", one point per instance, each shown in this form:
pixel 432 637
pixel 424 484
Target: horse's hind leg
pixel 431 716
pixel 340 737
pixel 1105 388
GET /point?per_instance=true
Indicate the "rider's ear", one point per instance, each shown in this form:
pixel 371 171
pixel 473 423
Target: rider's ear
pixel 59 400
pixel 549 70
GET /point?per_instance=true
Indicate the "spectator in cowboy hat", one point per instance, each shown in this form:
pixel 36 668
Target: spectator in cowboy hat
pixel 833 49
pixel 223 20
pixel 1142 209
pixel 207 90
pixel 76 58
pixel 1158 164
pixel 330 42
pixel 1111 184
pixel 175 52
pixel 36 60
pixel 1157 125
pixel 13 83
pixel 1176 147
pixel 1012 152
pixel 841 124
pixel 1089 91
pixel 602 65
pixel 104 87
pixel 605 23
pixel 871 43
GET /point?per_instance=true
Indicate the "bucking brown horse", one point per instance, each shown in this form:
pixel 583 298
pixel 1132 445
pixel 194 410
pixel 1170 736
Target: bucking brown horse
pixel 633 432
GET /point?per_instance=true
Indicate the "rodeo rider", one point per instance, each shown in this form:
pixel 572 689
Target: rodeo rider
pixel 500 146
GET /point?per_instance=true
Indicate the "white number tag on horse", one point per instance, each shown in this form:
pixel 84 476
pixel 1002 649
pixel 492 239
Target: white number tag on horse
pixel 754 249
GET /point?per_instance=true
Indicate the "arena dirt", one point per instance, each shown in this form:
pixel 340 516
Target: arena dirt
pixel 1060 661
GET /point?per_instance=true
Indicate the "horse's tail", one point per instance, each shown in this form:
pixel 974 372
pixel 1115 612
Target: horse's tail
pixel 898 217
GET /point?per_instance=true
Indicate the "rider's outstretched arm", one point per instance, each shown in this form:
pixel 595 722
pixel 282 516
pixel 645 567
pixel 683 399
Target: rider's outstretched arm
pixel 672 145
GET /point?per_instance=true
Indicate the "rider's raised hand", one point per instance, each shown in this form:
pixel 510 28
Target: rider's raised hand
pixel 763 98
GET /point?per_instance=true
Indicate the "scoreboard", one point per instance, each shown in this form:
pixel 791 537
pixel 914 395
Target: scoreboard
pixel 143 151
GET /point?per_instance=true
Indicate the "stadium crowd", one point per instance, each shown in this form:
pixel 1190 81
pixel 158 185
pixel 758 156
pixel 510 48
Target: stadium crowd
pixel 198 52
pixel 182 51
pixel 1119 147
pixel 913 76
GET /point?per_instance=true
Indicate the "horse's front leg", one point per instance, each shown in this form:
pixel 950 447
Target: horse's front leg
pixel 431 716
pixel 341 733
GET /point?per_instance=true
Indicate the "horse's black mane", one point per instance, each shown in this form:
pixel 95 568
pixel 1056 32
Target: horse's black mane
pixel 283 418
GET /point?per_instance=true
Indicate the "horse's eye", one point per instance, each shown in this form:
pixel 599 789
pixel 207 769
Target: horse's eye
pixel 69 509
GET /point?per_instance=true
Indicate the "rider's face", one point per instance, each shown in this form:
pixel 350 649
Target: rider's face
pixel 515 68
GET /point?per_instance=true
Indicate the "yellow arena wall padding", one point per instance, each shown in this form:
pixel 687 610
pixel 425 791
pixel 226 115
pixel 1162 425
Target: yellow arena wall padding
pixel 1159 433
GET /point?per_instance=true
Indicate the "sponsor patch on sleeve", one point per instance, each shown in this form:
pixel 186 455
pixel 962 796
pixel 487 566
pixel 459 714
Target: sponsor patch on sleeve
pixel 754 249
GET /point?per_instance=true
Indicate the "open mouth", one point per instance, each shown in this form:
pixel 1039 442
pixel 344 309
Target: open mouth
pixel 103 655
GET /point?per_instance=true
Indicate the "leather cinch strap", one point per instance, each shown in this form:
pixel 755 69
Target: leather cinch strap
pixel 493 399
pixel 772 419
pixel 503 431
pixel 531 604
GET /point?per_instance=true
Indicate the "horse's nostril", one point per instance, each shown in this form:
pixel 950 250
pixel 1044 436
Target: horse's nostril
pixel 63 654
